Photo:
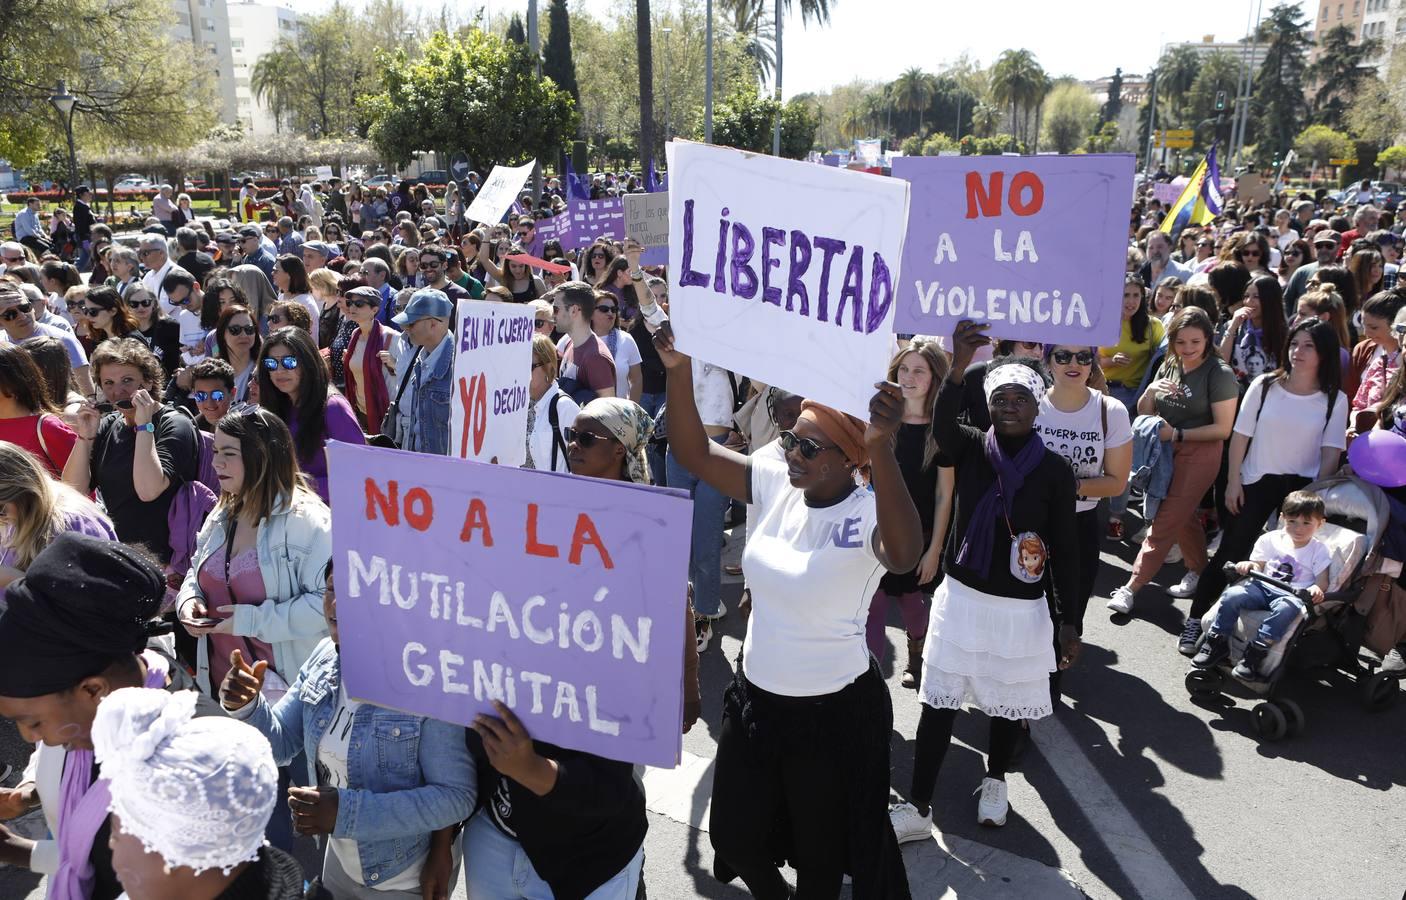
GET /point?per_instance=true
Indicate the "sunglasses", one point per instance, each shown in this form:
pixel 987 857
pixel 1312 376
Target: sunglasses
pixel 583 439
pixel 14 312
pixel 181 302
pixel 272 363
pixel 809 449
pixel 597 256
pixel 141 304
pixel 1398 328
pixel 202 396
pixel 276 320
pixel 237 330
pixel 355 304
pixel 1081 357
pixel 606 308
pixel 1254 253
pixel 92 311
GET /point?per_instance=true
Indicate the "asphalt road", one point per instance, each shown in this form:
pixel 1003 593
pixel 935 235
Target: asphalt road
pixel 1132 790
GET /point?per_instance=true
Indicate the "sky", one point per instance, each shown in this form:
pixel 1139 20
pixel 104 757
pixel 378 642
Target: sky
pixel 878 39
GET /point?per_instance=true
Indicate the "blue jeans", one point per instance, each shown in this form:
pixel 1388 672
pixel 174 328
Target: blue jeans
pixel 496 868
pixel 1251 595
pixel 1128 397
pixel 705 553
pixel 654 452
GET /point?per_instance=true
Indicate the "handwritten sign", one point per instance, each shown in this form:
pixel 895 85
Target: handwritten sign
pixel 561 597
pixel 591 219
pixel 492 368
pixel 1034 245
pixel 499 192
pixel 647 218
pixel 785 271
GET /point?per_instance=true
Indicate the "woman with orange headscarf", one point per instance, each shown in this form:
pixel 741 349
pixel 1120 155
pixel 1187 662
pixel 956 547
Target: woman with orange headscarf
pixel 806 721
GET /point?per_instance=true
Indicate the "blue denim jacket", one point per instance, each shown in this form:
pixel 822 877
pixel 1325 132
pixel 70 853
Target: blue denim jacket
pixel 410 775
pixel 424 412
pixel 1152 464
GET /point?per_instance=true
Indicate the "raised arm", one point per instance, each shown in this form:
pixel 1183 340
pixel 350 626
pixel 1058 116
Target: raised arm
pixel 725 470
pixel 900 544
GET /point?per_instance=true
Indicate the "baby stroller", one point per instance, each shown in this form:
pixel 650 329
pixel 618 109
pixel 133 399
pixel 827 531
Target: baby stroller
pixel 1328 634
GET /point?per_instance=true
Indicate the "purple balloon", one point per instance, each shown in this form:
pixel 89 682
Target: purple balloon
pixel 1379 457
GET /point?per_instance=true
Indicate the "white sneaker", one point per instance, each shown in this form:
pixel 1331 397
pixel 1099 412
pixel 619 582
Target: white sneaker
pixel 993 806
pixel 1174 555
pixel 1121 601
pixel 1187 587
pixel 1214 545
pixel 909 824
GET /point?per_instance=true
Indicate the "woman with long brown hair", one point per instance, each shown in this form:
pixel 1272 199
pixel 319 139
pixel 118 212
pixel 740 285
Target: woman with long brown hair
pixel 28 418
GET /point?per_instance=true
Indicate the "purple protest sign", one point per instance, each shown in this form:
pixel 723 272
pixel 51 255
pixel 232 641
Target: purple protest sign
pixel 591 219
pixel 562 597
pixel 1034 245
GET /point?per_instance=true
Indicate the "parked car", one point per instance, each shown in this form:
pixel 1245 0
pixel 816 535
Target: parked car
pixel 382 180
pixel 133 184
pixel 433 176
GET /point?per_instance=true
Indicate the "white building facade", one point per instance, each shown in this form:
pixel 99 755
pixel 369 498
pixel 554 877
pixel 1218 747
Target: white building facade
pixel 255 28
pixel 204 24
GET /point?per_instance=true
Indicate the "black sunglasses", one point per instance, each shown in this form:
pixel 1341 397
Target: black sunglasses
pixel 91 311
pixel 141 304
pixel 606 308
pixel 237 330
pixel 181 302
pixel 276 320
pixel 353 304
pixel 583 439
pixel 14 312
pixel 1398 328
pixel 809 449
pixel 1082 357
pixel 202 396
pixel 288 362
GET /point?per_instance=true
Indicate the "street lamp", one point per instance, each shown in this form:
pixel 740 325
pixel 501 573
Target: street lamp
pixel 668 64
pixel 66 103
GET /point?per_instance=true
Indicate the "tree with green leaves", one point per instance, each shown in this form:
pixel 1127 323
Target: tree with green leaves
pixel 1319 143
pixel 744 120
pixel 1020 83
pixel 516 32
pixel 477 93
pixel 1071 113
pixel 1392 159
pixel 1176 74
pixel 557 61
pixel 1279 93
pixel 1219 72
pixel 913 91
pixel 753 21
pixel 1339 72
pixel 1378 111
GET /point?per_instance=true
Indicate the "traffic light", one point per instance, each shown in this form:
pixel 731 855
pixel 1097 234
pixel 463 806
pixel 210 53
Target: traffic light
pixel 1220 100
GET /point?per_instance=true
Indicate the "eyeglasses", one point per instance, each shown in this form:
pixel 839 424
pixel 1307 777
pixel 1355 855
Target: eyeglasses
pixel 1080 357
pixel 1398 328
pixel 597 256
pixel 202 396
pixel 583 439
pixel 237 330
pixel 809 449
pixel 1254 253
pixel 92 311
pixel 429 264
pixel 357 304
pixel 271 363
pixel 276 320
pixel 543 322
pixel 606 308
pixel 14 312
pixel 141 304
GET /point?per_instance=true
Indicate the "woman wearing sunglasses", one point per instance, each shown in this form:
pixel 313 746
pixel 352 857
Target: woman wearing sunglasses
pixel 1092 430
pixel 605 322
pixel 806 722
pixel 293 385
pixel 162 335
pixel 363 362
pixel 238 343
pixel 107 315
pixel 1293 256
pixel 595 260
pixel 990 640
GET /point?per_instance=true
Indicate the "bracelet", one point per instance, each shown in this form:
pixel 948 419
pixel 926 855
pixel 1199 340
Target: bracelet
pixel 1181 436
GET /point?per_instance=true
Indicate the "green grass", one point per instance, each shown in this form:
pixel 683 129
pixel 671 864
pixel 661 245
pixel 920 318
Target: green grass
pixel 203 208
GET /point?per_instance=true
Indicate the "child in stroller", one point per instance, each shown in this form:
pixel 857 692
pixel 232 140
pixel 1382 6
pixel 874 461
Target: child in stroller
pixel 1289 556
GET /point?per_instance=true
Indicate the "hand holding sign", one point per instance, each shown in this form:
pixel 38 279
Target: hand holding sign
pixel 510 751
pixel 885 415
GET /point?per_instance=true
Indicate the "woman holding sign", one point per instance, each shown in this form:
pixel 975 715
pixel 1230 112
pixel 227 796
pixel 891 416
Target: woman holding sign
pixel 990 637
pixel 806 721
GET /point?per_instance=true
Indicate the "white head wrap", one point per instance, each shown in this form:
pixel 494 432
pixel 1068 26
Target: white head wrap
pixel 198 792
pixel 1013 374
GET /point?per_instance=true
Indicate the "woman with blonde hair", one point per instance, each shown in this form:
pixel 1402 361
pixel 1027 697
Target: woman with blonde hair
pixel 34 509
pixel 918 369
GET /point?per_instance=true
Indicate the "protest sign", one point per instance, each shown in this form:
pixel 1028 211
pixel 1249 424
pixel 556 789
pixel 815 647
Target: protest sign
pixel 1251 190
pixel 492 369
pixel 785 271
pixel 323 173
pixel 499 192
pixel 647 218
pixel 562 597
pixel 1036 246
pixel 591 219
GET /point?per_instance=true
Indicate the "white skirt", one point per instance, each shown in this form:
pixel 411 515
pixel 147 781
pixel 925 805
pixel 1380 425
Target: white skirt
pixel 993 653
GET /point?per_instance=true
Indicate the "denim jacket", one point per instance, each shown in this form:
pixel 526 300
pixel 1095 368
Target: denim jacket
pixel 1152 464
pixel 293 545
pixel 424 409
pixel 409 775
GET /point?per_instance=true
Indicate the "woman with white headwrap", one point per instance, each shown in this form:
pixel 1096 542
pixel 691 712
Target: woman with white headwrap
pixel 990 643
pixel 190 799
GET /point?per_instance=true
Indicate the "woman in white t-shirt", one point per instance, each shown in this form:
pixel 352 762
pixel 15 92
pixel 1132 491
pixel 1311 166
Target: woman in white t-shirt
pixel 1291 431
pixel 806 722
pixel 605 322
pixel 1091 430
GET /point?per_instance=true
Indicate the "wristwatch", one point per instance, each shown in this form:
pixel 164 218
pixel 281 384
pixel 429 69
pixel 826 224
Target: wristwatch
pixel 637 275
pixel 148 427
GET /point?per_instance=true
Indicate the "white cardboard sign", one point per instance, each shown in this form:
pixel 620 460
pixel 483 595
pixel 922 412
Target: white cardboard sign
pixel 498 192
pixel 492 368
pixel 647 218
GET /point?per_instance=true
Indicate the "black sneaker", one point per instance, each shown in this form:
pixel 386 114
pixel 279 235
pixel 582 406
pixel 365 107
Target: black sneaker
pixel 1214 651
pixel 1251 665
pixel 1190 634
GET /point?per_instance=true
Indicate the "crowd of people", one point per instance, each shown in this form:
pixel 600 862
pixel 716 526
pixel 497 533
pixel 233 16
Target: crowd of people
pixel 168 633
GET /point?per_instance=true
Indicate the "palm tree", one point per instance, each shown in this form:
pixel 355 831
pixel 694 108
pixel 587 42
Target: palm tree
pixel 913 91
pixel 271 82
pixel 1019 82
pixel 752 19
pixel 1176 73
pixel 644 49
pixel 985 119
pixel 854 123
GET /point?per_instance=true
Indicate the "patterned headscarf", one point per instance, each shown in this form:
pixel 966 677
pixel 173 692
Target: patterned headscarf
pixel 630 425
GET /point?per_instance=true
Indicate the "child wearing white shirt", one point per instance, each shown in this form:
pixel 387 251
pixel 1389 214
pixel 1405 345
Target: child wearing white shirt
pixel 1289 554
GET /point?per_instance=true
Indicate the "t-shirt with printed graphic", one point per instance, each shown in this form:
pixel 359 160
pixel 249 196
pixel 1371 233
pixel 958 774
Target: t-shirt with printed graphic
pixel 1299 566
pixel 1079 436
pixel 812 571
pixel 1208 383
pixel 332 767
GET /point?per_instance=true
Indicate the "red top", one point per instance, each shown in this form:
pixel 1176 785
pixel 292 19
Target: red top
pixel 46 436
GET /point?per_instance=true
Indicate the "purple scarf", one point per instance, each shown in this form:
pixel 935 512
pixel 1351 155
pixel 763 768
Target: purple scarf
pixel 83 809
pixel 1010 475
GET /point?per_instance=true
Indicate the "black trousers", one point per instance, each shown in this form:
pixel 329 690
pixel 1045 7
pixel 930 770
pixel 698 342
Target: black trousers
pixel 1239 533
pixel 935 736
